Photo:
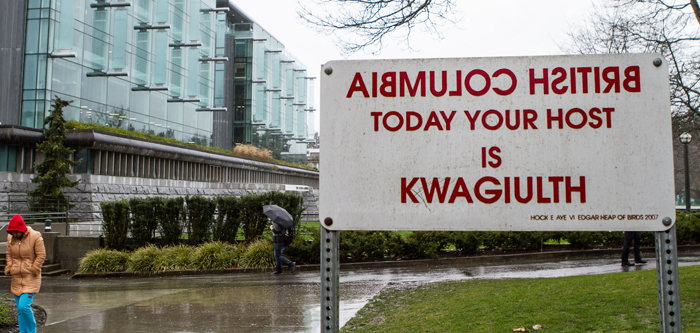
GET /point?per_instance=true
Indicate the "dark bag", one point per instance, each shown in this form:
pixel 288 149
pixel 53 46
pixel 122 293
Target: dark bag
pixel 288 236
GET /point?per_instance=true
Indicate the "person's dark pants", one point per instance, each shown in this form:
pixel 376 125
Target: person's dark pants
pixel 631 236
pixel 279 259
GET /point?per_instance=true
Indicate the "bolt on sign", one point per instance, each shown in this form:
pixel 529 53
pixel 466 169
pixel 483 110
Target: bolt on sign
pixel 557 143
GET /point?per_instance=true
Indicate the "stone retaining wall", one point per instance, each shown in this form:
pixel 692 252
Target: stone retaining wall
pixel 93 190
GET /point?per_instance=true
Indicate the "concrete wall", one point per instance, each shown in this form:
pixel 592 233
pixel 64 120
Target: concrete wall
pixel 57 228
pixel 93 190
pixel 50 242
pixel 69 250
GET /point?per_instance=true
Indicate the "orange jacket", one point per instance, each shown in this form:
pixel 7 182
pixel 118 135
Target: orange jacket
pixel 24 259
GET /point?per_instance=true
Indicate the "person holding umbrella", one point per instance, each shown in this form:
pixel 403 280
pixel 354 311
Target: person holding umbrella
pixel 281 220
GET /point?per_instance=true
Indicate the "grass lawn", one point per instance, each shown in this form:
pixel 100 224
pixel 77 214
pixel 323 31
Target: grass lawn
pixel 619 302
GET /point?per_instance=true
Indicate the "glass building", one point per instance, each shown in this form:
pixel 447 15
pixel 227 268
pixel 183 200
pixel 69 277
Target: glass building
pixel 197 71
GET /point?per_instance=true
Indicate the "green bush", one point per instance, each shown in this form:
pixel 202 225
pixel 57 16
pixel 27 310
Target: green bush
pixel 513 240
pixel 292 203
pixel 362 245
pixel 147 260
pixel 466 242
pixel 687 227
pixel 6 316
pixel 259 253
pixel 304 251
pixel 115 223
pixel 178 257
pixel 425 244
pixel 200 218
pixel 227 222
pixel 144 220
pixel 169 221
pixel 215 255
pixel 614 238
pixel 252 218
pixel 103 261
pixel 395 244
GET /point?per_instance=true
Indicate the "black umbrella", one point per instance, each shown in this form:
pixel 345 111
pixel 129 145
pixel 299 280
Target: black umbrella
pixel 278 215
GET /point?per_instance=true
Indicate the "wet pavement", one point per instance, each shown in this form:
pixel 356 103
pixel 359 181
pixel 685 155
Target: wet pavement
pixel 258 302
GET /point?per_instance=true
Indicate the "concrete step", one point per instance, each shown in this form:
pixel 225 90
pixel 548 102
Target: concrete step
pixel 50 267
pixel 55 273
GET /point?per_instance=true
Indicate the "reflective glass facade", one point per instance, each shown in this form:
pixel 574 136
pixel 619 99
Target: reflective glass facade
pixel 272 112
pixel 160 66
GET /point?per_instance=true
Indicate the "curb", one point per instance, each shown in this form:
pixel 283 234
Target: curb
pixel 468 260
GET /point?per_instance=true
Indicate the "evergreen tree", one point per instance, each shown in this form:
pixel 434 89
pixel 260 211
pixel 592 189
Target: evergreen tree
pixel 52 171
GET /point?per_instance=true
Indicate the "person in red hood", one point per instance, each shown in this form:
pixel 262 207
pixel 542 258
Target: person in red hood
pixel 25 255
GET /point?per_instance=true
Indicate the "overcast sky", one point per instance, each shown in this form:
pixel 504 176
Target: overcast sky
pixel 486 29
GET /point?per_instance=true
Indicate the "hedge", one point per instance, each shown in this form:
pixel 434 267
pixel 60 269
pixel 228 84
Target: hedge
pixel 226 217
pixel 204 219
pixel 115 223
pixel 200 218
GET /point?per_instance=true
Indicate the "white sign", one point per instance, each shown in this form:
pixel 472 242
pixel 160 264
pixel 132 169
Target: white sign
pixel 526 143
pixel 296 188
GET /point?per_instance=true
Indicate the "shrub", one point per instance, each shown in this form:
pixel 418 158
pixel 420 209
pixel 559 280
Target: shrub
pixel 513 240
pixel 178 257
pixel 466 242
pixel 170 215
pixel 292 203
pixel 6 316
pixel 148 259
pixel 227 222
pixel 305 251
pixel 584 239
pixel 115 223
pixel 143 220
pixel 395 244
pixel 363 245
pixel 425 244
pixel 687 227
pixel 214 255
pixel 200 218
pixel 252 218
pixel 103 261
pixel 258 254
pixel 647 238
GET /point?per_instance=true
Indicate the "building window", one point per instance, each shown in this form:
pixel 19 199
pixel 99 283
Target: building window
pixel 87 161
pixel 8 158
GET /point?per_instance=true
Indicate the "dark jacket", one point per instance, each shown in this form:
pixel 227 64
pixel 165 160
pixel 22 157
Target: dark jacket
pixel 277 234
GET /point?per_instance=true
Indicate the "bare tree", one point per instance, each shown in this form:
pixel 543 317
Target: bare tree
pixel 666 5
pixel 654 26
pixel 651 27
pixel 373 20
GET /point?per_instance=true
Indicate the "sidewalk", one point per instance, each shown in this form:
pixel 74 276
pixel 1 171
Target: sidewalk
pixel 259 302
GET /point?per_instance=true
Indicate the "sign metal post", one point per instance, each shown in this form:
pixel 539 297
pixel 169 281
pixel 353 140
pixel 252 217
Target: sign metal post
pixel 667 278
pixel 330 279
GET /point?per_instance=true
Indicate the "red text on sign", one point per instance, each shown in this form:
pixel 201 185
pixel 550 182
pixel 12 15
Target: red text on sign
pixel 476 82
pixel 394 121
pixel 489 190
pixel 562 81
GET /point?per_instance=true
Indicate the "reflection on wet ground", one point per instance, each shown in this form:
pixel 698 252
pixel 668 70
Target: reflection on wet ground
pixel 257 302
